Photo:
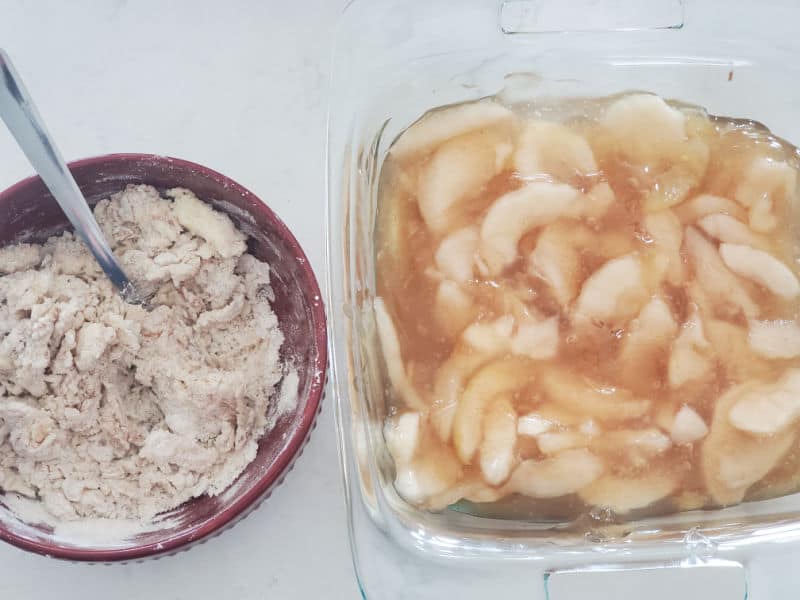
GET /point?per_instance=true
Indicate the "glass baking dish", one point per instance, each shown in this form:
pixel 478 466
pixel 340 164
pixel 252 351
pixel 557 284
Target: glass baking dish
pixel 393 61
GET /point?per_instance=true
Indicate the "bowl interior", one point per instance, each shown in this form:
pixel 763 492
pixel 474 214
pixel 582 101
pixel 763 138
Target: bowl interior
pixel 29 213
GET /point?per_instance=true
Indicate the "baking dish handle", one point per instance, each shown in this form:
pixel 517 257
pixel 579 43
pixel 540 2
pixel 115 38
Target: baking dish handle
pixel 519 17
pixel 690 579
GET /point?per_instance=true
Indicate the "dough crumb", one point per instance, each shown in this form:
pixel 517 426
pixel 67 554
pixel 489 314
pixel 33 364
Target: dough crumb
pixel 113 412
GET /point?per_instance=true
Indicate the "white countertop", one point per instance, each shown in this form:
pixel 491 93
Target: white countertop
pixel 240 87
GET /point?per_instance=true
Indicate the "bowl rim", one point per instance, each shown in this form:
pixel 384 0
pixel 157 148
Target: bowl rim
pixel 297 437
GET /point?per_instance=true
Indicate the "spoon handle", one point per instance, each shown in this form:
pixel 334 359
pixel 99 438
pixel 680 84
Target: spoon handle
pixel 23 121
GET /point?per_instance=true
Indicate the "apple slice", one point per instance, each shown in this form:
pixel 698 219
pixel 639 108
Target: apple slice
pixel 667 234
pixel 455 257
pixel 731 230
pixel 612 294
pixel 768 409
pixel 553 442
pixel 552 149
pixel 565 473
pixel 624 494
pixel 721 286
pixel 775 339
pixel 644 127
pixel 690 356
pixel 589 399
pixel 501 376
pixel 733 460
pixel 514 214
pixel 457 172
pixel 707 204
pixel 556 260
pixel 766 183
pixel 499 440
pixel 393 357
pixel 445 123
pixel 649 336
pixel 761 267
pixel 688 426
pixel 402 433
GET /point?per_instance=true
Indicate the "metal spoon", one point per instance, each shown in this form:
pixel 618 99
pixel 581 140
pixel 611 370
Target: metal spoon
pixel 26 125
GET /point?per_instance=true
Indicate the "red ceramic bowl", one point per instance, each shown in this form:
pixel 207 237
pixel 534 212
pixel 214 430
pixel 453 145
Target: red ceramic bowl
pixel 28 211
